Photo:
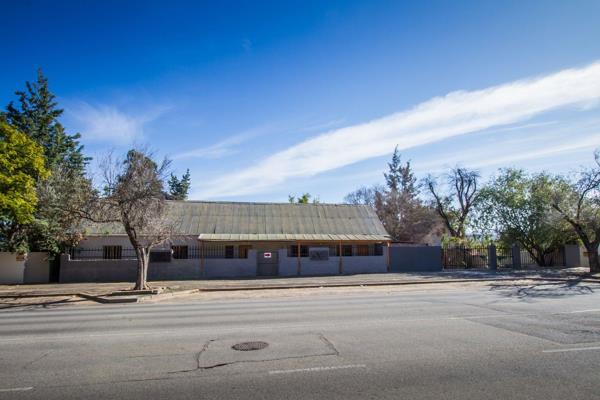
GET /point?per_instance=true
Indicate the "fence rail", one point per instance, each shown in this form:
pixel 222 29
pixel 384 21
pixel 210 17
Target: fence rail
pixel 478 257
pixel 461 257
pixel 159 255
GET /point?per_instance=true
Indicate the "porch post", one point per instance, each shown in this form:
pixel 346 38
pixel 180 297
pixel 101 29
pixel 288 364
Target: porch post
pixel 341 262
pixel 299 270
pixel 387 256
pixel 202 259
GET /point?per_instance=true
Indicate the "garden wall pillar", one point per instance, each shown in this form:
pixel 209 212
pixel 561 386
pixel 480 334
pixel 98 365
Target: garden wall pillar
pixel 492 258
pixel 516 256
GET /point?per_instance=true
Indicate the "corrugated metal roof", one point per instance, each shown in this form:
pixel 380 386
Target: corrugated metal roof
pixel 269 221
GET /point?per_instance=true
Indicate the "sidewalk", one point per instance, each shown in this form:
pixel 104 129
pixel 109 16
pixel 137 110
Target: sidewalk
pixel 213 285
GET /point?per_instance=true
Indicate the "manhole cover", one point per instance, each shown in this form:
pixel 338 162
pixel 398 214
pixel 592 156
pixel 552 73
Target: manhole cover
pixel 249 346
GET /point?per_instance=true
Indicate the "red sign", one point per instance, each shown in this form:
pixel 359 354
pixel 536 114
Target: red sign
pixel 267 255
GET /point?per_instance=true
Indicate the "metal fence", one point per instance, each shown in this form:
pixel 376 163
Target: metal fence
pixel 462 257
pixel 347 250
pixel 125 253
pixel 553 259
pixel 475 257
pixel 504 257
pixel 103 253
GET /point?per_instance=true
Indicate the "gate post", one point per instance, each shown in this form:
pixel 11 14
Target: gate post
pixel 492 257
pixel 516 256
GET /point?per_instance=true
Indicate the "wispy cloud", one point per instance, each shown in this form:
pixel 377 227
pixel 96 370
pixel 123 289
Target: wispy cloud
pixel 511 152
pixel 103 122
pixel 232 144
pixel 225 147
pixel 457 113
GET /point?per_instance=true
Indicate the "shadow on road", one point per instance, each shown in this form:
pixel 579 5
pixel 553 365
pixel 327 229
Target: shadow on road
pixel 571 287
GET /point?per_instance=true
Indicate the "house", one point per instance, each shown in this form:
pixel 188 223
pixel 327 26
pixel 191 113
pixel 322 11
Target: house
pixel 231 239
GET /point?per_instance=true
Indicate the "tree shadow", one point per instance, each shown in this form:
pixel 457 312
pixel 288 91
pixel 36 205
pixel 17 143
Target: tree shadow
pixel 547 290
pixel 15 303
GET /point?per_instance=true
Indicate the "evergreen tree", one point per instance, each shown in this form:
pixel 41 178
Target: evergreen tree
pixel 398 205
pixel 400 178
pixel 179 188
pixel 37 116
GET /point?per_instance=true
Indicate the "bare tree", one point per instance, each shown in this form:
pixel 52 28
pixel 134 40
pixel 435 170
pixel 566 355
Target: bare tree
pixel 579 204
pixel 133 196
pixel 364 195
pixel 454 206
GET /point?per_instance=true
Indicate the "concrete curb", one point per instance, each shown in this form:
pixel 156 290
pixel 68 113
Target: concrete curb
pixel 108 299
pixel 388 283
pixel 166 296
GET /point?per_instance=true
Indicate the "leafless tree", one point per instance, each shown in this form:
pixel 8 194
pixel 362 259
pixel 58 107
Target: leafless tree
pixel 364 195
pixel 454 206
pixel 579 204
pixel 133 196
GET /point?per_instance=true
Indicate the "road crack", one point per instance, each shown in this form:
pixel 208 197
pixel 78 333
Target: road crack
pixel 333 351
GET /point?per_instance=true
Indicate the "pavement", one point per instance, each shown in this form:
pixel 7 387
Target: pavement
pixel 98 289
pixel 460 341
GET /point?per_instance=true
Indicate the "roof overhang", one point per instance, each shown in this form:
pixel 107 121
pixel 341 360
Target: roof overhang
pixel 270 237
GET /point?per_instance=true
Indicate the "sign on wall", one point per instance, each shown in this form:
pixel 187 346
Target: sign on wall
pixel 267 255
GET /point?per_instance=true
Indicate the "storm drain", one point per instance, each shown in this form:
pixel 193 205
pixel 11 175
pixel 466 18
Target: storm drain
pixel 249 346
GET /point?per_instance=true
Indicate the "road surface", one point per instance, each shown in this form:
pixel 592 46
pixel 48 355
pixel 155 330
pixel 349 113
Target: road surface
pixel 536 342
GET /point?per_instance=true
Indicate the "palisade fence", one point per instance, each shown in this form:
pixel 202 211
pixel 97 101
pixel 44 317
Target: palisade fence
pixel 479 257
pixel 156 255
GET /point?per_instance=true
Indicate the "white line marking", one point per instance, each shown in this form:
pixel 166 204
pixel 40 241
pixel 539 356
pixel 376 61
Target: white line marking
pixel 584 311
pixel 572 349
pixel 316 369
pixel 20 389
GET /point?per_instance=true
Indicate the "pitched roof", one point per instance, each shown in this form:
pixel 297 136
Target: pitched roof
pixel 270 221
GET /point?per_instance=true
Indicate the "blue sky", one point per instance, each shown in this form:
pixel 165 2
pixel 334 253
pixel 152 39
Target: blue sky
pixel 264 99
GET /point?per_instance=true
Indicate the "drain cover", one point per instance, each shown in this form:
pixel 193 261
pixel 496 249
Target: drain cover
pixel 249 346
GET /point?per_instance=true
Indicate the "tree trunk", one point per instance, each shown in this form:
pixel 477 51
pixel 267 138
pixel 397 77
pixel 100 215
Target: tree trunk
pixel 593 258
pixel 143 259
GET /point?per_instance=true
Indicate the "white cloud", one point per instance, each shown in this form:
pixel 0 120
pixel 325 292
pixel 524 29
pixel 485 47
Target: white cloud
pixel 231 145
pixel 225 147
pixel 108 123
pixel 511 152
pixel 457 113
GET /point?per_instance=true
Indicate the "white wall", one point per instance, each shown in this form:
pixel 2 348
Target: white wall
pixel 37 268
pixel 288 266
pixel 11 270
pixel 231 267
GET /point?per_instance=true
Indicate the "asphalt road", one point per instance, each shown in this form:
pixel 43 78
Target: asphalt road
pixel 472 343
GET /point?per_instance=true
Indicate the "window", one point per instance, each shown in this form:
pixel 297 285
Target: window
pixel 180 252
pixel 228 251
pixel 303 251
pixel 293 251
pixel 362 250
pixel 160 256
pixel 334 251
pixel 347 250
pixel 112 252
pixel 378 249
pixel 243 250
